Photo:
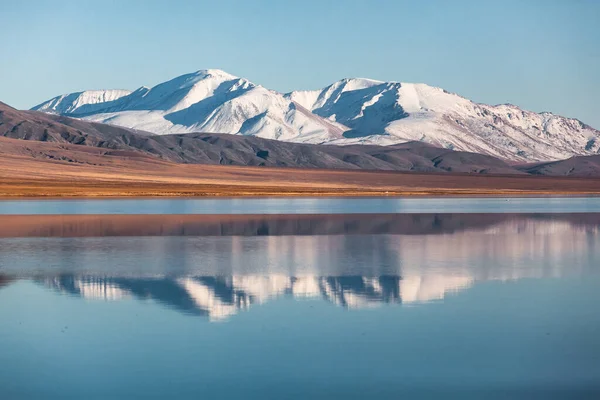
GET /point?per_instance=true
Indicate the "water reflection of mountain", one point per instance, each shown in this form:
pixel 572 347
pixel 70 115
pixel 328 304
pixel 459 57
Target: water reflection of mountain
pixel 221 297
pixel 265 225
pixel 516 247
pixel 241 261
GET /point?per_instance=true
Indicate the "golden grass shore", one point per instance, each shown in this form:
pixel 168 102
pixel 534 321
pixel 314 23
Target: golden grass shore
pixel 39 169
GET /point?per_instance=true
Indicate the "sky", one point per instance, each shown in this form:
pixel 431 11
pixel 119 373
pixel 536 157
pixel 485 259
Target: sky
pixel 542 55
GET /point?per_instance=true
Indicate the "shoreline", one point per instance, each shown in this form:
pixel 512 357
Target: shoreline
pixel 466 186
pixel 148 196
pixel 98 189
pixel 75 192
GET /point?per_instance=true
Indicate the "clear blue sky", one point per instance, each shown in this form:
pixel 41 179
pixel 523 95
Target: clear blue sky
pixel 541 55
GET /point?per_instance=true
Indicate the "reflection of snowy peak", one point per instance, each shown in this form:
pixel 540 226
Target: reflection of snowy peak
pixel 219 298
pixel 88 287
pixel 347 111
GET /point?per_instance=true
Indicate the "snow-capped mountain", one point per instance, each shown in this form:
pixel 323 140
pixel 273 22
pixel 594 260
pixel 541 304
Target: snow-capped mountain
pixel 348 111
pixel 390 112
pixel 204 101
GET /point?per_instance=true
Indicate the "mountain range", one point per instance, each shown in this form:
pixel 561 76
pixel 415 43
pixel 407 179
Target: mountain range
pixel 350 111
pixel 240 150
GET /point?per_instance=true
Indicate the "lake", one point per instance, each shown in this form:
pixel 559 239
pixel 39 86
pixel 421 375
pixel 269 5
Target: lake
pixel 300 298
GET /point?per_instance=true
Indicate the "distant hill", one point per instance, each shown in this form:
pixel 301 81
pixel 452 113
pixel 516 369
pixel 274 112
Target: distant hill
pixel 575 166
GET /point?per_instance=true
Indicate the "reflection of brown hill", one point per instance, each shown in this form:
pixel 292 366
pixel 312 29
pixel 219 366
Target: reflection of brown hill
pixel 242 225
pixel 5 280
pixel 263 225
pixel 518 246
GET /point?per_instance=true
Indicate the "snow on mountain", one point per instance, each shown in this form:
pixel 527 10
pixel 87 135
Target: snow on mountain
pixel 348 111
pixel 392 112
pixel 207 101
pixel 74 102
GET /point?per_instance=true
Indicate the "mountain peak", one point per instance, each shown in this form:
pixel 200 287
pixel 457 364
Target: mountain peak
pixel 193 78
pixel 215 73
pixel 362 81
pixel 348 84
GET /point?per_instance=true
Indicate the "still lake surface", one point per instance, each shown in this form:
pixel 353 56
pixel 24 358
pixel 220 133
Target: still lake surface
pixel 300 298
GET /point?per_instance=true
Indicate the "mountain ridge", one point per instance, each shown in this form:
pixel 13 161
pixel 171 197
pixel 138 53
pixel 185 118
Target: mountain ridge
pixel 349 111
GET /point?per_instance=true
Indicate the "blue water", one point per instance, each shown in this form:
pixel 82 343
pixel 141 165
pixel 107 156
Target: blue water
pixel 449 306
pixel 304 205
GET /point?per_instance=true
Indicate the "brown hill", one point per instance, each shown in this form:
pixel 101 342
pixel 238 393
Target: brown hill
pixel 46 155
pixel 31 168
pixel 224 149
pixel 583 166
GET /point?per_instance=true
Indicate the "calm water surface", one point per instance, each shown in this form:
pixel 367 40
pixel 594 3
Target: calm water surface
pixel 303 205
pixel 415 305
